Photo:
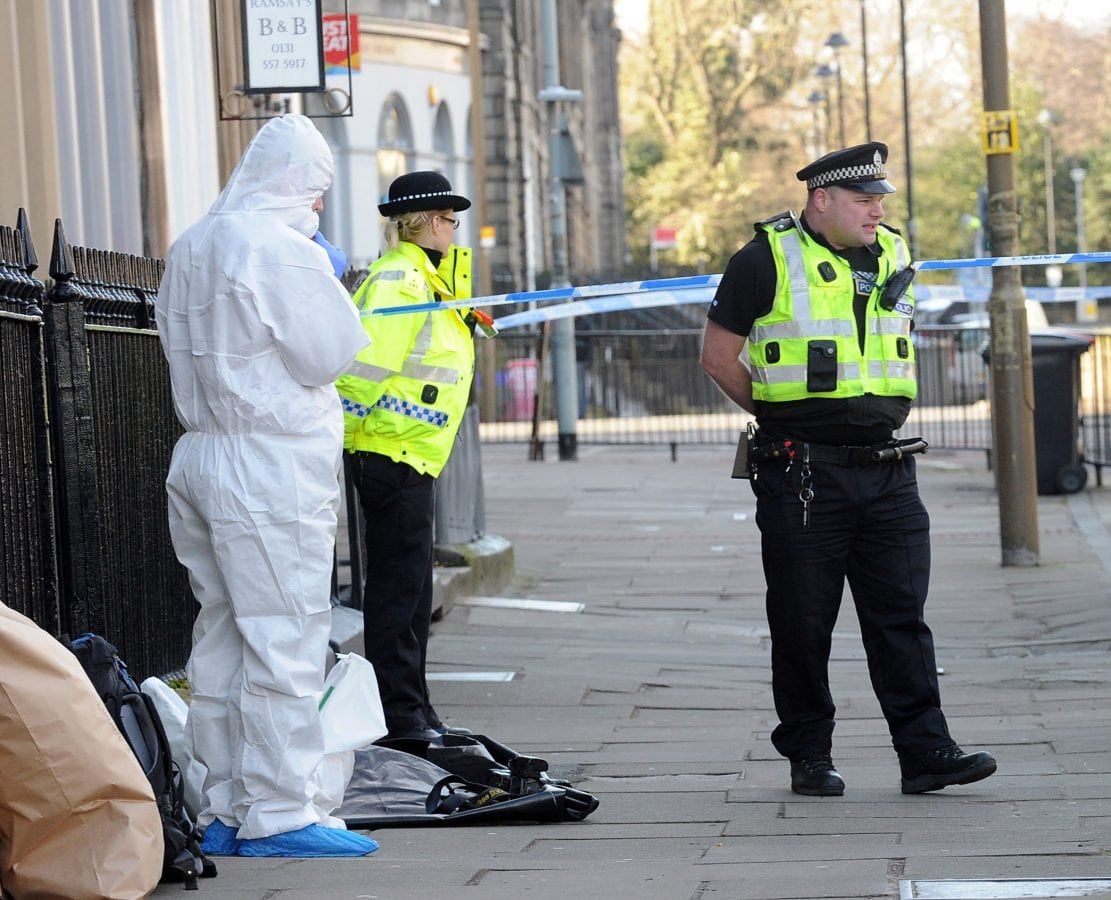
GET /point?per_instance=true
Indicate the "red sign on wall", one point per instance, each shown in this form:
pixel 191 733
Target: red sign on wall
pixel 337 28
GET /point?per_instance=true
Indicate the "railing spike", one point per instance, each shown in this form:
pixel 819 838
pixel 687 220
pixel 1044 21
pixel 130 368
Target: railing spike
pixel 61 255
pixel 30 257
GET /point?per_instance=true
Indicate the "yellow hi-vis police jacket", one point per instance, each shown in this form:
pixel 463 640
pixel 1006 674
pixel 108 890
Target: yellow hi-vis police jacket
pixel 807 345
pixel 405 394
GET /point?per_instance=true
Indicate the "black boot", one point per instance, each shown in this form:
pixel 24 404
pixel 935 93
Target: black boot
pixel 935 769
pixel 815 776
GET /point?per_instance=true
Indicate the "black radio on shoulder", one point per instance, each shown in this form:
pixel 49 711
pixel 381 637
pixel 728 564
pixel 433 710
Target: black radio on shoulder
pixel 895 287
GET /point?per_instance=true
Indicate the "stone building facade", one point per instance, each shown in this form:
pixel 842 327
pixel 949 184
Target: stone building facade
pixel 415 112
pixel 114 107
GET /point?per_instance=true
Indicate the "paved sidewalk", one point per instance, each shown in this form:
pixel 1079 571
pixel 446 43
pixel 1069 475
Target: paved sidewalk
pixel 656 697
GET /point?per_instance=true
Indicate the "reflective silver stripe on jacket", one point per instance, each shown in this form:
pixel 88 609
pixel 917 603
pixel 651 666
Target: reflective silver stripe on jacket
pixel 415 370
pixel 387 275
pixel 799 329
pixel 797 374
pixel 902 254
pixel 369 372
pixel 796 275
pixel 890 325
pixel 423 342
pixel 891 369
pixel 421 372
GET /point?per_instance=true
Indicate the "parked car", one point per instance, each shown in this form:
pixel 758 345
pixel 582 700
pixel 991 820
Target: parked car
pixel 949 338
pixel 968 373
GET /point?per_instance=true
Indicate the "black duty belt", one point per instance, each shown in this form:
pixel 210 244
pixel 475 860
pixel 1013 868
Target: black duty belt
pixel 870 455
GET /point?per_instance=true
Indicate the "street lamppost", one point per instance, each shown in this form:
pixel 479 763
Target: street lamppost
pixel 1046 119
pixel 1083 312
pixel 824 72
pixel 835 42
pixel 815 100
pixel 864 55
pixel 912 225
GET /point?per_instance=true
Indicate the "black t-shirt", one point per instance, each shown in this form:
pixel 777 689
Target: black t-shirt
pixel 747 291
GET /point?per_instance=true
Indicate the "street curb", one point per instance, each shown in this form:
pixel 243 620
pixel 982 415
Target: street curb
pixel 483 566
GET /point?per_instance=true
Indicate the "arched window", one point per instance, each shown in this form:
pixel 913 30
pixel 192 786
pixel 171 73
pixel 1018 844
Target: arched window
pixel 443 142
pixel 395 143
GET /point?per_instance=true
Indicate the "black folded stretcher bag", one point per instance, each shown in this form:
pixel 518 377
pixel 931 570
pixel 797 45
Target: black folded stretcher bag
pixel 457 779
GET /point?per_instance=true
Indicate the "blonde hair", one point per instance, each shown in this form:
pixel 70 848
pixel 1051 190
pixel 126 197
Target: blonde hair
pixel 406 226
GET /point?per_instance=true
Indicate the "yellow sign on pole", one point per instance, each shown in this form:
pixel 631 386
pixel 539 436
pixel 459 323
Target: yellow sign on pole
pixel 1000 132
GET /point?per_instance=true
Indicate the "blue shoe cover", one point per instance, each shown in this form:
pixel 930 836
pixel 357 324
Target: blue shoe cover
pixel 220 840
pixel 310 841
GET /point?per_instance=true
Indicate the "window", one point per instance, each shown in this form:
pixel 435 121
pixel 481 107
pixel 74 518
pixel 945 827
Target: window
pixel 443 143
pixel 395 143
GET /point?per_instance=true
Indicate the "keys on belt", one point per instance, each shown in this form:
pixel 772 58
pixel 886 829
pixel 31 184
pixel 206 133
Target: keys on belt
pixel 790 450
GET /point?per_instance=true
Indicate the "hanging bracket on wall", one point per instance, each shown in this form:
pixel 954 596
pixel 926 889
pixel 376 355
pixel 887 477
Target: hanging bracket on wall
pixel 282 59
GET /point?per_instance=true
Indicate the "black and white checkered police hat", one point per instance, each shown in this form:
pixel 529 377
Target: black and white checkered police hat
pixel 420 191
pixel 859 168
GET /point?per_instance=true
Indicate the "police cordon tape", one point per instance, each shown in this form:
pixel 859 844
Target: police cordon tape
pixel 600 298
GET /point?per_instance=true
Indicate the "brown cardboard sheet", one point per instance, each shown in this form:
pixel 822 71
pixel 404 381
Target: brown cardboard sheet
pixel 77 816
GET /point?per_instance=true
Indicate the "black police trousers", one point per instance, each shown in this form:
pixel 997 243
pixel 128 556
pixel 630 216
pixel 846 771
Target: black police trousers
pixel 398 503
pixel 866 524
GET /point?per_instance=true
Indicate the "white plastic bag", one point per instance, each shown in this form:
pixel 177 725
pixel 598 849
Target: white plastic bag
pixel 352 716
pixel 351 707
pixel 172 710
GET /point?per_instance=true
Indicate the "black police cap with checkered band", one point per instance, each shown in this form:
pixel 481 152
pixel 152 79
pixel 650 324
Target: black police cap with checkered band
pixel 859 168
pixel 419 192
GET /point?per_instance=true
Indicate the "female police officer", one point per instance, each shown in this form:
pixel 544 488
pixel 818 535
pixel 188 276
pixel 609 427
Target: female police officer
pixel 403 400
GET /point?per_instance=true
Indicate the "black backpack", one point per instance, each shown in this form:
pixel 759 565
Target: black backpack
pixel 137 719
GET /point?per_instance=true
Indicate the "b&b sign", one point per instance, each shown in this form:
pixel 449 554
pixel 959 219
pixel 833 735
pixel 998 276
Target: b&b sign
pixel 282 46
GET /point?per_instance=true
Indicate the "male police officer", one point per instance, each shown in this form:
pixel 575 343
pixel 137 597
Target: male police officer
pixel 826 315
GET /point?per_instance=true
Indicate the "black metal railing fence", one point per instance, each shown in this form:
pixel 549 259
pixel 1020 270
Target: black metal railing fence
pixel 1095 403
pixel 87 432
pixel 646 386
pixel 147 604
pixel 28 572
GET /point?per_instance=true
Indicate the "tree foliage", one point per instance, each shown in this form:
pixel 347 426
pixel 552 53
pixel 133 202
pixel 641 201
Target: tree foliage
pixel 716 119
pixel 704 91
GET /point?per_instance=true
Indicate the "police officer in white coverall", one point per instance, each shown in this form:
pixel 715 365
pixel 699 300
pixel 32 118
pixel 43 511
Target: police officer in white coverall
pixel 256 327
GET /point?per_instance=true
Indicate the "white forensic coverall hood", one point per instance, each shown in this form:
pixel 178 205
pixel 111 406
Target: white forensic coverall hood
pixel 256 328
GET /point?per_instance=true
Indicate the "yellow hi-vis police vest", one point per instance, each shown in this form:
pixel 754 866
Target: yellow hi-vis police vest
pixel 807 345
pixel 405 394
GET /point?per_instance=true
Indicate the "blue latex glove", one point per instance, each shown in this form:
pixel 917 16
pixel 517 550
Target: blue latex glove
pixel 336 256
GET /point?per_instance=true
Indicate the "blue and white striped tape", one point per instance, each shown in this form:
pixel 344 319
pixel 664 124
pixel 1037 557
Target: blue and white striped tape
pixel 567 293
pixel 598 298
pixel 1044 259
